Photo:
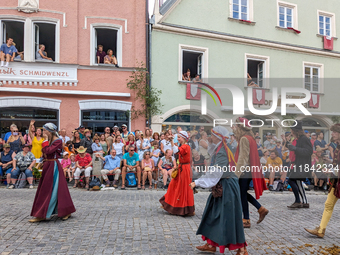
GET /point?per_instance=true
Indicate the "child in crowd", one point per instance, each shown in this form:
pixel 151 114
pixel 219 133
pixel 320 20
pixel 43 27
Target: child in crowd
pixel 69 148
pixel 65 163
pixel 72 167
pixel 155 157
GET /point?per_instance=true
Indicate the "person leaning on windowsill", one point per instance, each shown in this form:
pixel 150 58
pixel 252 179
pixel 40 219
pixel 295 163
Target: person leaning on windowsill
pixel 110 58
pixel 41 54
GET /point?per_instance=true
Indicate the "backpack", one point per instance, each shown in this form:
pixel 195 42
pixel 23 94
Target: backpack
pixel 95 182
pixel 131 180
pixel 21 182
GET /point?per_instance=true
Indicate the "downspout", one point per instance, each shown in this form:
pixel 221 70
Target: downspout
pixel 148 48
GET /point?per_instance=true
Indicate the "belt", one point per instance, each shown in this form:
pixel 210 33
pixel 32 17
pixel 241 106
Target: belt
pixel 184 163
pixel 53 159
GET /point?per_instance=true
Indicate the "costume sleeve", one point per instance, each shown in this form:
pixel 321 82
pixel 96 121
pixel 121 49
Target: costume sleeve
pixel 305 150
pixel 52 148
pixel 174 149
pixel 243 159
pixel 213 176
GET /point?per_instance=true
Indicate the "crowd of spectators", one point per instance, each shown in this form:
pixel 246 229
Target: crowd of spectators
pixel 150 155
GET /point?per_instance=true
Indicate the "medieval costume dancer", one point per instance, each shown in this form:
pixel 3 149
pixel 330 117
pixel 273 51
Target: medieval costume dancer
pixel 179 199
pixel 300 154
pixel 334 189
pixel 221 225
pixel 53 196
pixel 247 156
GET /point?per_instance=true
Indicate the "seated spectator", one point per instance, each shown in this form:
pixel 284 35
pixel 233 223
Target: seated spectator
pixel 155 152
pixel 143 145
pixel 274 166
pixel 232 144
pixel 111 166
pixel 65 163
pixel 6 162
pixel 167 164
pixel 72 166
pixel 23 162
pixel 7 52
pixel 186 76
pixel 320 142
pixel 318 173
pixel 199 163
pixel 41 54
pixel 8 134
pixel 86 142
pixel 131 164
pixel 148 166
pixel 83 163
pixel 259 146
pixel 110 58
pixel 103 143
pixel 96 146
pixel 250 82
pixel 193 142
pixel 130 142
pixel 100 54
pixel 264 159
pixel 125 132
pixel 16 141
pixel 76 140
pixel 69 148
pixel 156 138
pixel 118 146
pixel 197 78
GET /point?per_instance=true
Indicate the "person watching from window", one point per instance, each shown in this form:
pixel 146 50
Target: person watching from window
pixel 197 78
pixel 7 52
pixel 100 54
pixel 41 54
pixel 110 58
pixel 186 76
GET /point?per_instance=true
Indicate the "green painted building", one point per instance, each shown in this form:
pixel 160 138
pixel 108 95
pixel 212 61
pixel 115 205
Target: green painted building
pixel 260 44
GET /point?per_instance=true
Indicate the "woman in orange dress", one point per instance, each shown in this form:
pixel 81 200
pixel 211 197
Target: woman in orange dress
pixel 179 199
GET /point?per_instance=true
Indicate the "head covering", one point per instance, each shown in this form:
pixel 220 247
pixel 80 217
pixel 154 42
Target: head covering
pixel 298 125
pixel 318 148
pixel 124 125
pixel 6 145
pixel 257 137
pixel 50 127
pixel 184 134
pixel 223 134
pixel 313 134
pixel 335 128
pixel 87 130
pixel 81 149
pixel 65 153
pixel 306 131
pixel 26 145
pixel 245 121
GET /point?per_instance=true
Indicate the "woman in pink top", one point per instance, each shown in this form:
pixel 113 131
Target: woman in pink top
pixel 147 167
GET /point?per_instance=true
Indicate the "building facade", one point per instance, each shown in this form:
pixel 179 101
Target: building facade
pixel 251 44
pixel 72 88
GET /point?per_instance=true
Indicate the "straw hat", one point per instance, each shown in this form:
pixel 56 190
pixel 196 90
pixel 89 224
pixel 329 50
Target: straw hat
pixel 81 149
pixel 87 130
pixel 95 188
pixel 6 145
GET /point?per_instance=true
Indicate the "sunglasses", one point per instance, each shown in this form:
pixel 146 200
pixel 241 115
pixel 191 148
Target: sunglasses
pixel 147 154
pixel 132 150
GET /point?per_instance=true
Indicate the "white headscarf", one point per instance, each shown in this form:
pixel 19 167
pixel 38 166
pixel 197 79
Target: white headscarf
pixel 184 134
pixel 221 130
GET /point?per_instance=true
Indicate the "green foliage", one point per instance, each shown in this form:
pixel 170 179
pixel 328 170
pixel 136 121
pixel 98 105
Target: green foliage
pixel 335 119
pixel 149 97
pixel 36 173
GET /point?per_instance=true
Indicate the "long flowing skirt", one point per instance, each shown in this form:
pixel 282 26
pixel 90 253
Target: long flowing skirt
pixel 221 223
pixel 179 199
pixel 53 196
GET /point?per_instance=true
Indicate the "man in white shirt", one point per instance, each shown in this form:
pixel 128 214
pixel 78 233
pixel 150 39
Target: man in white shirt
pixel 63 136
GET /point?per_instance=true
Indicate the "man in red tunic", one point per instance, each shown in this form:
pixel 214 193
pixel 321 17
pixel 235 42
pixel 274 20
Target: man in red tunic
pixel 248 169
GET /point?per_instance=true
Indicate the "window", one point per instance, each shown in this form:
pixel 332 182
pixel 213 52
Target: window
pixel 325 25
pixel 14 30
pixel 111 39
pixel 192 61
pixel 286 17
pixel 255 72
pixel 97 120
pixel 240 9
pixel 45 34
pixel 312 78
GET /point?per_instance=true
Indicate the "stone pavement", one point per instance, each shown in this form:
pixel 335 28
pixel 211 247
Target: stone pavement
pixel 131 222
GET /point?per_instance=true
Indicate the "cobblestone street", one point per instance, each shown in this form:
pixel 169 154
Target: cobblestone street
pixel 132 222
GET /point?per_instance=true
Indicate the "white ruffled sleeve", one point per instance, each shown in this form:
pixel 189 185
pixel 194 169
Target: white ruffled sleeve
pixel 209 179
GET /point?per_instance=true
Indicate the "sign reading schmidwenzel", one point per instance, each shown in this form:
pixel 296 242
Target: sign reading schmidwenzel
pixel 39 72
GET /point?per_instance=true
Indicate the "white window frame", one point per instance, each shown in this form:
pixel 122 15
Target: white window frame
pixel 195 49
pixel 55 22
pixel 295 24
pixel 265 59
pixel 250 10
pixel 332 23
pixel 93 39
pixel 321 75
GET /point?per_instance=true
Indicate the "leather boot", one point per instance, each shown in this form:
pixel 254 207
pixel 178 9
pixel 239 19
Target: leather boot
pixel 246 223
pixel 316 232
pixel 262 213
pixel 75 183
pixel 239 252
pixel 87 180
pixel 206 248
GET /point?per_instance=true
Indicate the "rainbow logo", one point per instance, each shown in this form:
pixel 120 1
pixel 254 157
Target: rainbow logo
pixel 209 93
